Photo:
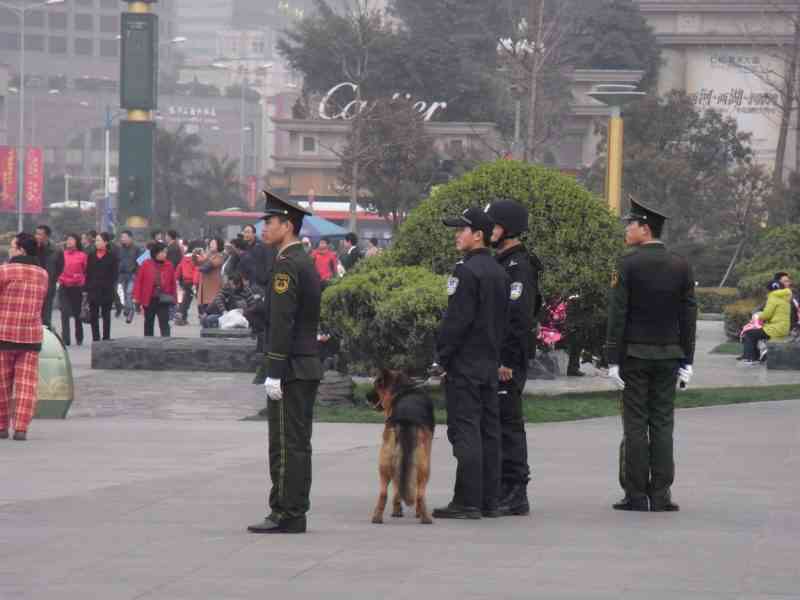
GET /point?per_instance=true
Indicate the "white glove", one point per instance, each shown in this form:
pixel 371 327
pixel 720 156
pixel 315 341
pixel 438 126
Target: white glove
pixel 685 375
pixel 273 388
pixel 613 375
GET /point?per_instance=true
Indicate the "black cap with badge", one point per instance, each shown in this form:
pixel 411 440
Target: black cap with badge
pixel 276 206
pixel 645 215
pixel 474 218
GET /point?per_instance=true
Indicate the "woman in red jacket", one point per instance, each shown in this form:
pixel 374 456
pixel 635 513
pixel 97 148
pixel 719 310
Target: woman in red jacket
pixel 155 290
pixel 71 281
pixel 186 274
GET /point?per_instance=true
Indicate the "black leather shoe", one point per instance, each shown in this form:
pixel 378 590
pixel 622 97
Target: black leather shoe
pixel 515 503
pixel 663 505
pixel 633 504
pixel 20 436
pixel 268 525
pixel 490 512
pixel 456 511
pixel 3 434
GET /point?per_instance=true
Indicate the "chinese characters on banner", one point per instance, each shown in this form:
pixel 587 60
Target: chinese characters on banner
pixel 34 181
pixel 252 192
pixel 8 179
pixel 33 198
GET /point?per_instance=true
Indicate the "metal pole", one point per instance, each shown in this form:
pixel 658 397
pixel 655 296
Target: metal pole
pixel 21 140
pixel 241 136
pixel 107 170
pixel 614 171
pixel 66 189
pixel 517 119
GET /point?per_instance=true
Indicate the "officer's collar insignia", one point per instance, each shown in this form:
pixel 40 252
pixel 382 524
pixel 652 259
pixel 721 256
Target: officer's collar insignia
pixel 516 290
pixel 452 285
pixel 281 283
pixel 614 278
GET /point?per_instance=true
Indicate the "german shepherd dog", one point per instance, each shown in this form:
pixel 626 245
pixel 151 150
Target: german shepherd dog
pixel 405 455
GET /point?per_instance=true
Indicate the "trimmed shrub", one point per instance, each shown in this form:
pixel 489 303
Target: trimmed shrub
pixel 577 239
pixel 738 314
pixel 385 316
pixel 713 300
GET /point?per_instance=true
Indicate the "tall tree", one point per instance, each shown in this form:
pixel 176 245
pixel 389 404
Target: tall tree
pixel 216 185
pixel 355 44
pixel 613 34
pixel 176 154
pixel 674 159
pixel 397 159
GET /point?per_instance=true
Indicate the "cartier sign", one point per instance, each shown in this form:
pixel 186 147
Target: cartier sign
pixel 351 108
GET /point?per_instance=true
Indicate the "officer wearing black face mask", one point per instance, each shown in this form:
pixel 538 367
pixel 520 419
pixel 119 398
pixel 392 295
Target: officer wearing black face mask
pixel 510 220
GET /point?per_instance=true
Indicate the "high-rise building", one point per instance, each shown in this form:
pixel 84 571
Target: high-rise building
pixel 74 40
pixel 199 22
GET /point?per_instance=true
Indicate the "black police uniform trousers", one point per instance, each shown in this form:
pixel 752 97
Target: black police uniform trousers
pixel 515 469
pixel 647 465
pixel 473 428
pixel 290 423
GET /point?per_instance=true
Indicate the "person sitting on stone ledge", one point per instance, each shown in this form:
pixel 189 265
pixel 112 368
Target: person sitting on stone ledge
pixel 236 293
pixel 776 319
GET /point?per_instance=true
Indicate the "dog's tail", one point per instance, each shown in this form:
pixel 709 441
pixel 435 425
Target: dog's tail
pixel 407 462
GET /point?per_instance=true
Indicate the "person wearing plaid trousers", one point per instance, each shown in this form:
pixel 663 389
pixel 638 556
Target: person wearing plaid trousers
pixel 23 290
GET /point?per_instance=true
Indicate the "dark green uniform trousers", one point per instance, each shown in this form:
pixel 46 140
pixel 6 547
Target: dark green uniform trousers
pixel 647 466
pixel 290 423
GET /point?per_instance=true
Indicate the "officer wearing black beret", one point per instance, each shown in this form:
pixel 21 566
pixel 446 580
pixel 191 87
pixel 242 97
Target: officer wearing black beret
pixel 468 348
pixel 292 365
pixel 510 220
pixel 650 347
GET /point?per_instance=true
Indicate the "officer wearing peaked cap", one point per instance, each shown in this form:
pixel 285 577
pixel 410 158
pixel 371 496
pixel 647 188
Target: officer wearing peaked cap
pixel 650 347
pixel 468 348
pixel 510 220
pixel 292 365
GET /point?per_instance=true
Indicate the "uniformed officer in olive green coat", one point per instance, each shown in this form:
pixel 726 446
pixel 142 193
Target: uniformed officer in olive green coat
pixel 293 368
pixel 650 348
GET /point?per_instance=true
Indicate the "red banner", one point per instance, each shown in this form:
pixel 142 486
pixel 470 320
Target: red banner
pixel 34 181
pixel 252 191
pixel 8 179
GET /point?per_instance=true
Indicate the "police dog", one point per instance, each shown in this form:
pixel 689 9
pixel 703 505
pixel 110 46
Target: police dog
pixel 405 455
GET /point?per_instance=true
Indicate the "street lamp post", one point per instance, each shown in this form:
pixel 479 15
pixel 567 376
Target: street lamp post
pixel 224 64
pixel 615 96
pixel 21 10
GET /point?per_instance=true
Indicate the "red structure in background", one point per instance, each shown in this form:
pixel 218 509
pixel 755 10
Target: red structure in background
pixel 34 182
pixel 8 179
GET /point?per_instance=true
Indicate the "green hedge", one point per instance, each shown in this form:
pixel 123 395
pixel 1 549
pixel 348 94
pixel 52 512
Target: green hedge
pixel 738 314
pixel 577 239
pixel 713 300
pixel 385 316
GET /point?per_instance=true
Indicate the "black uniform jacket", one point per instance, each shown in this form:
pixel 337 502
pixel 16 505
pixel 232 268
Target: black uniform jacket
pixel 652 303
pixel 294 305
pixel 524 300
pixel 413 406
pixel 474 325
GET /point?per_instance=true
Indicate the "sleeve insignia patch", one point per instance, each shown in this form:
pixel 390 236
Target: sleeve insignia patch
pixel 516 290
pixel 281 283
pixel 452 285
pixel 614 278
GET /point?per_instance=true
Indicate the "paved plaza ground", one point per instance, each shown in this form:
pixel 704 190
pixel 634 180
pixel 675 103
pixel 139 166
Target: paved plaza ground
pixel 140 496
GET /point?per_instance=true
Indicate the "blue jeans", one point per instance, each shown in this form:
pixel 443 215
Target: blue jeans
pixel 126 281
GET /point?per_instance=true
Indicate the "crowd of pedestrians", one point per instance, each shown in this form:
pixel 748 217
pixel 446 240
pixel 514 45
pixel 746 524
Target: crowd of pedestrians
pixel 96 277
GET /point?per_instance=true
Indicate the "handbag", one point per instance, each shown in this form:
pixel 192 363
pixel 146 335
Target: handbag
pixel 162 297
pixel 85 315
